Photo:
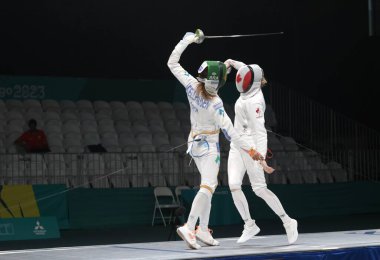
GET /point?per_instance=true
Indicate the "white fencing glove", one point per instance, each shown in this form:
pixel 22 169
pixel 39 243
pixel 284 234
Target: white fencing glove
pixel 190 37
pixel 233 64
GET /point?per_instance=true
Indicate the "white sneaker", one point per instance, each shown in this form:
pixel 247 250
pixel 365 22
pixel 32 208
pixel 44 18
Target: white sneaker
pixel 188 236
pixel 248 233
pixel 206 237
pixel 291 230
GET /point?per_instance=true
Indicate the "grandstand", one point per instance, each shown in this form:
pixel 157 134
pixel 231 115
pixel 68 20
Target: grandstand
pixel 139 138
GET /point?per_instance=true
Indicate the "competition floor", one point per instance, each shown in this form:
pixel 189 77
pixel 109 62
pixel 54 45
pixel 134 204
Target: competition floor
pixel 261 247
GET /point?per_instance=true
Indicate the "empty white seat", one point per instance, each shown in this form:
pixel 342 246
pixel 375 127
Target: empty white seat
pixel 309 176
pixel 50 115
pixel 113 148
pixel 33 115
pixel 160 142
pixel 172 126
pixel 75 149
pixel 123 128
pixel 179 142
pixel 294 177
pixel 13 128
pixel 84 115
pixel 54 140
pixel 70 128
pixel 89 126
pixel 133 105
pixel 67 104
pixel 157 129
pixel 91 138
pixel 28 103
pixel 110 138
pixel 50 103
pixel 105 121
pixel 71 142
pixel 120 114
pixel 145 135
pixel 117 105
pixel 180 106
pixel 84 105
pixel 137 129
pixel 163 105
pixel 101 105
pixel 324 175
pixel 102 129
pixel 67 117
pixel 127 141
pixel 339 175
pixel 56 148
pixel 101 115
pixel 14 115
pixel 135 115
pixel 149 105
pixel 14 104
pixel 168 114
pixel 153 116
pixel 143 141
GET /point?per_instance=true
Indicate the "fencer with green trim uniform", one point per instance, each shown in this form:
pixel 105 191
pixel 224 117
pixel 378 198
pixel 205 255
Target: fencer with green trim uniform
pixel 250 125
pixel 207 117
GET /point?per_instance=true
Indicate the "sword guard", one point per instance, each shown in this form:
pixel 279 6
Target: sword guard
pixel 199 36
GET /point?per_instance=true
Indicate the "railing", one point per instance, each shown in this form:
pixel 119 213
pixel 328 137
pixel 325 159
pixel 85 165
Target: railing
pixel 114 170
pixel 333 135
pixel 318 126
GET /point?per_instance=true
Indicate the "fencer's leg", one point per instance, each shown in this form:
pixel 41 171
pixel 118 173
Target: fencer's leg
pixel 210 168
pixel 250 227
pixel 274 203
pixel 259 187
pixel 200 203
pixel 236 171
pixel 204 218
pixel 187 231
pixel 203 233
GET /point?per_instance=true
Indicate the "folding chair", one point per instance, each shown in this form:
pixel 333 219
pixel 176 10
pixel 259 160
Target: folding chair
pixel 164 200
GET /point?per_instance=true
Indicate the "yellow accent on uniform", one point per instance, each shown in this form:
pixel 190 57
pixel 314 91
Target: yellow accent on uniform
pixel 207 188
pixel 214 132
pixel 19 201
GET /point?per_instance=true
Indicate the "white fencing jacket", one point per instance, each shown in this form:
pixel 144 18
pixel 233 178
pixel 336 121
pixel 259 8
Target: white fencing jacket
pixel 249 116
pixel 205 115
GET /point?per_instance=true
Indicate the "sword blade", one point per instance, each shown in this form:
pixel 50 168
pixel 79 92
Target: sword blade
pixel 243 35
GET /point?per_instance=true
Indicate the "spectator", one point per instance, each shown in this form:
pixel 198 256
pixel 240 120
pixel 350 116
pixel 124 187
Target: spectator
pixel 33 140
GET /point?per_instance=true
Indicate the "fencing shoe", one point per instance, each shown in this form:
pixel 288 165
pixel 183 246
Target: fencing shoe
pixel 206 237
pixel 248 232
pixel 291 230
pixel 188 236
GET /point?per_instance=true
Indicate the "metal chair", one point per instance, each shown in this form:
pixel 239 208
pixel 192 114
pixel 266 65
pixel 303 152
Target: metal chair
pixel 164 200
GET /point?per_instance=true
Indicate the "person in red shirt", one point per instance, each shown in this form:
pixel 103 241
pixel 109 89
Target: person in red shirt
pixel 34 140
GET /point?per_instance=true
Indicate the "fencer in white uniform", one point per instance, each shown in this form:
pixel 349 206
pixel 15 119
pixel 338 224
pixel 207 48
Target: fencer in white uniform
pixel 207 118
pixel 250 125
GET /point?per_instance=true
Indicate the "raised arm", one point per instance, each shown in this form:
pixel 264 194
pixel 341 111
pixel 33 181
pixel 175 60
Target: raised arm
pixel 233 64
pixel 173 63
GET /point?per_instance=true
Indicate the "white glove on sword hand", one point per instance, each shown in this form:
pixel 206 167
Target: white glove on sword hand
pixel 266 168
pixel 191 37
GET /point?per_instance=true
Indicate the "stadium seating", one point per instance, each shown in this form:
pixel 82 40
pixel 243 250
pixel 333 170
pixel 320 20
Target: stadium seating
pixel 137 136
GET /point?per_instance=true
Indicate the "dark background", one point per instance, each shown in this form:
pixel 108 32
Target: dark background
pixel 326 52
